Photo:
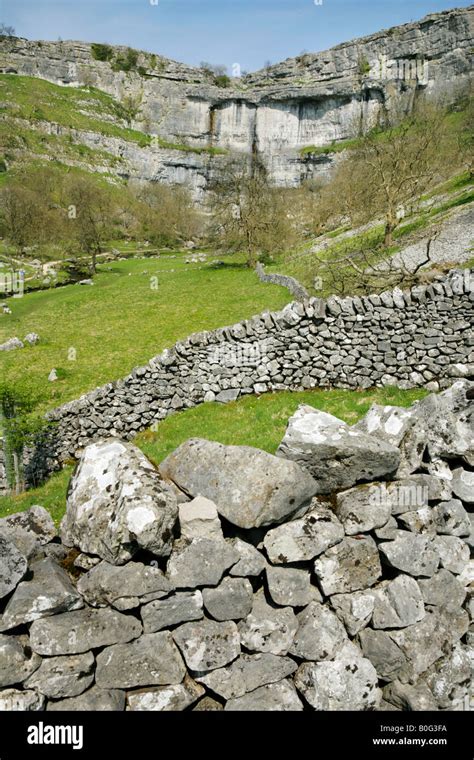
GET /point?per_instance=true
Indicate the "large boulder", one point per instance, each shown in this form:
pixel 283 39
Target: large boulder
pixel 249 487
pixel 336 455
pixel 118 503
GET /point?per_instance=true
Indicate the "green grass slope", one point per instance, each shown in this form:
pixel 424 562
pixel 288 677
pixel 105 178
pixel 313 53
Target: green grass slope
pixel 95 334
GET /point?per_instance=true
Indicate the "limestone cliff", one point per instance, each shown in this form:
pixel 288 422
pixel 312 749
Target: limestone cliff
pixel 312 100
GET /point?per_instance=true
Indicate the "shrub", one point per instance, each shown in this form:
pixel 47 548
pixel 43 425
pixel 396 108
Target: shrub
pixel 126 62
pixel 364 66
pixel 101 52
pixel 223 81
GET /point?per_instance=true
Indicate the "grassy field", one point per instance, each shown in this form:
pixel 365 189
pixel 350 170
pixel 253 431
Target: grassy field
pixel 252 421
pixel 136 308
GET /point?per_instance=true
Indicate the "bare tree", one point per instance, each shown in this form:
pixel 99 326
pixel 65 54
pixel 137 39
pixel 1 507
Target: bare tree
pixel 367 271
pixel 20 215
pixel 248 214
pixel 90 213
pixel 389 170
pixel 167 214
pixel 6 31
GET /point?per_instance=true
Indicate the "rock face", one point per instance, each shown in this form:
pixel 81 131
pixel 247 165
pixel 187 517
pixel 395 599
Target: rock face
pixel 249 487
pixel 13 566
pixel 311 100
pixel 117 504
pixel 336 455
pixel 361 600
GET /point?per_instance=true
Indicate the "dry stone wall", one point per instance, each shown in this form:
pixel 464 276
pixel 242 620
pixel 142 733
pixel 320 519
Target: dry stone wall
pixel 333 576
pixel 415 338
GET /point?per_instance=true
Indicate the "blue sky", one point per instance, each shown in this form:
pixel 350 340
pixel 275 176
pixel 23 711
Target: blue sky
pixel 248 32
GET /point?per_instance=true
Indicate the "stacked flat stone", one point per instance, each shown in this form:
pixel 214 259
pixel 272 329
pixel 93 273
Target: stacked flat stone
pixel 421 337
pixel 336 575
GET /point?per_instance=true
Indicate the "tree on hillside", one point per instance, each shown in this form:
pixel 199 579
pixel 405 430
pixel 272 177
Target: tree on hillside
pixel 20 216
pixel 217 69
pixel 31 211
pixel 247 214
pixel 19 425
pixel 389 170
pixel 6 31
pixel 90 214
pixel 167 214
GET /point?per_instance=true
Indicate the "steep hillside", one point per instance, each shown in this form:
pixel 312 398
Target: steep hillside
pixel 293 114
pixel 88 128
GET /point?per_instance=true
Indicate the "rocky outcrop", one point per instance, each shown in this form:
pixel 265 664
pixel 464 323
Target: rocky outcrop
pixel 416 338
pixel 335 602
pixel 313 100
